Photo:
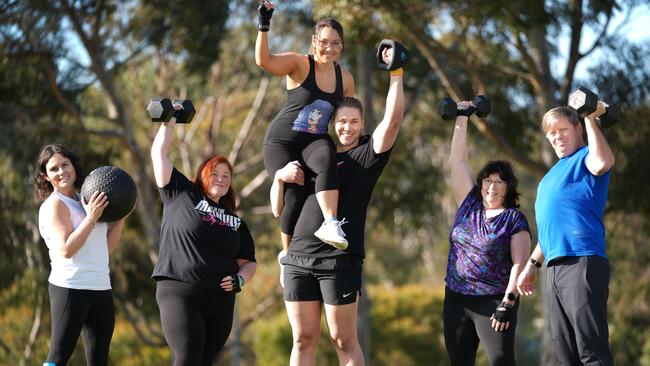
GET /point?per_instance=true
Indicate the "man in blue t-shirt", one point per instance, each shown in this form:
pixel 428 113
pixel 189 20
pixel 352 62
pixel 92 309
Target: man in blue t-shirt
pixel 569 209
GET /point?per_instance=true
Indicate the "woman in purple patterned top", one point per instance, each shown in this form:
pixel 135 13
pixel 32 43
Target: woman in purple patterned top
pixel 489 245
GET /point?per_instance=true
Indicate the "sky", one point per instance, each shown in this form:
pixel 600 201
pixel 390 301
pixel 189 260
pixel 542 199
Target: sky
pixel 636 28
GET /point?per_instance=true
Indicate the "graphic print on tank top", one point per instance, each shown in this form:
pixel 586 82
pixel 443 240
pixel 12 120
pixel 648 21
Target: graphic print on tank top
pixel 216 216
pixel 314 117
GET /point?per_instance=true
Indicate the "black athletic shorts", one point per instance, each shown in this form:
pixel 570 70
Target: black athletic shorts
pixel 334 281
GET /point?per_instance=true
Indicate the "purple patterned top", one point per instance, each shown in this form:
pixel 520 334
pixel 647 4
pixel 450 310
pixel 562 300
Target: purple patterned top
pixel 479 260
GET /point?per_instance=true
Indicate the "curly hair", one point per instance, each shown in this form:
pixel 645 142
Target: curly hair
pixel 507 173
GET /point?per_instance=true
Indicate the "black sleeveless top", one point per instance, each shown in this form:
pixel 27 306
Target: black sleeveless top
pixel 307 110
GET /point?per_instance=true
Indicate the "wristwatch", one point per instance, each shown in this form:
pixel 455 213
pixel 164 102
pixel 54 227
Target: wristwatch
pixel 535 263
pixel 511 296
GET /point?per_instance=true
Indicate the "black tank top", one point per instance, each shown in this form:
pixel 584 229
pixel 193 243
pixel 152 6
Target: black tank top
pixel 307 110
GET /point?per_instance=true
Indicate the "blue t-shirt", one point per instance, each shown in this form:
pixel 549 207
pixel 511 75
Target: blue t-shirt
pixel 569 207
pixel 479 260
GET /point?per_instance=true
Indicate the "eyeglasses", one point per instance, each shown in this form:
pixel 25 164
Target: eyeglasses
pixel 335 45
pixel 489 182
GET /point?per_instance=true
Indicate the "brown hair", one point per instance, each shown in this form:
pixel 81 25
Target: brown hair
pixel 229 200
pixel 507 173
pixel 42 187
pixel 351 102
pixel 554 115
pixel 327 23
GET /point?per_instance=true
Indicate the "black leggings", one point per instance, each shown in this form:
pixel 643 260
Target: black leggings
pixel 466 320
pixel 320 157
pixel 196 321
pixel 88 312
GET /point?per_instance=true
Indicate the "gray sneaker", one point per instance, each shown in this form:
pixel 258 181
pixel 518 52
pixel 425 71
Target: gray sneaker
pixel 331 233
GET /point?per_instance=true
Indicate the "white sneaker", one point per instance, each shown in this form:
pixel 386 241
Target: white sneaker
pixel 331 233
pixel 280 256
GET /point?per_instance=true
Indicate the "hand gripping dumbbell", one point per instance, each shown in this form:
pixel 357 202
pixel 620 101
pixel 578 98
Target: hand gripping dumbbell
pixel 399 58
pixel 448 109
pixel 162 110
pixel 585 102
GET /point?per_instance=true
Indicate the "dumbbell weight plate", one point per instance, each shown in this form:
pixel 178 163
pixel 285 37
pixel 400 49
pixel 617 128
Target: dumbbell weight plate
pixel 447 109
pixel 583 101
pixel 160 110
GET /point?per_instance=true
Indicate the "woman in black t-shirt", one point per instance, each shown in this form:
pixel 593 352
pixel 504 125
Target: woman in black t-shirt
pixel 206 254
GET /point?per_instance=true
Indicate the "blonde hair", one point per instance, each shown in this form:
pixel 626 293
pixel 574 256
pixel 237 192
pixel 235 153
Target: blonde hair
pixel 554 115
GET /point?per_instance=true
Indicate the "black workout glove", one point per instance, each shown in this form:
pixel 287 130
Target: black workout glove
pixel 503 312
pixel 237 282
pixel 264 18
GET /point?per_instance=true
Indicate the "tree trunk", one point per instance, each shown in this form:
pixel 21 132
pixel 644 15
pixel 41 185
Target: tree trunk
pixel 364 85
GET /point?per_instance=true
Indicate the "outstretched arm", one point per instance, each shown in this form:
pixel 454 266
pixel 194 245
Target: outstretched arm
pixel 461 176
pixel 600 158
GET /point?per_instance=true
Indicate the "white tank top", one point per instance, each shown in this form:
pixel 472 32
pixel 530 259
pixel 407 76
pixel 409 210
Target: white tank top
pixel 88 268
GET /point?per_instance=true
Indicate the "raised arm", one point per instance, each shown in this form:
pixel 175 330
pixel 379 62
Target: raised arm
pixel 278 64
pixel 600 158
pixel 162 166
pixel 386 132
pixel 461 176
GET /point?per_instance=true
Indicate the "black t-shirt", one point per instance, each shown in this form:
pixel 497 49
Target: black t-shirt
pixel 199 240
pixel 358 169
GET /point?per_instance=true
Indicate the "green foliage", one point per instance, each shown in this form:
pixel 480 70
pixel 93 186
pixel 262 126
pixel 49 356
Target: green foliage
pixel 127 348
pixel 407 326
pixel 190 30
pixel 272 342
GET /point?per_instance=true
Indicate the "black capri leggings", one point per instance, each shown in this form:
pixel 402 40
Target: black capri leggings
pixel 88 312
pixel 319 156
pixel 466 320
pixel 196 321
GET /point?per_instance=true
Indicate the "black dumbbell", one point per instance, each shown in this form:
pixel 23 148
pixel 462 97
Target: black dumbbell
pixel 448 109
pixel 399 58
pixel 162 110
pixel 585 102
